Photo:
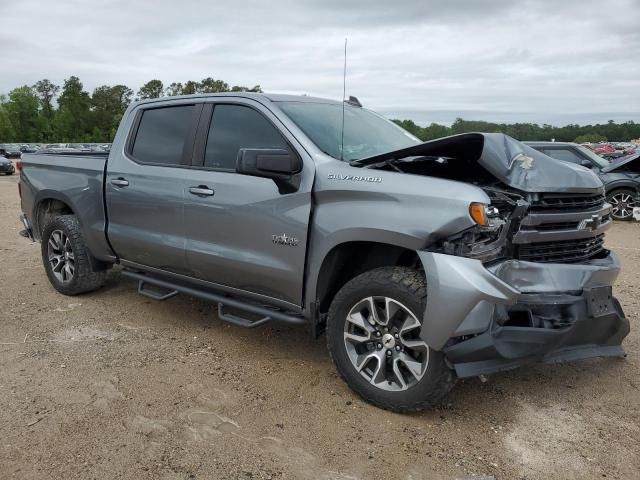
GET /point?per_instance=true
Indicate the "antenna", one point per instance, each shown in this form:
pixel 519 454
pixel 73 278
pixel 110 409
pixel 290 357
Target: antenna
pixel 344 94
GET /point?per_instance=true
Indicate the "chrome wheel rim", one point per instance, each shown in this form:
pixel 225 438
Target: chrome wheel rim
pixel 382 340
pixel 623 204
pixel 61 257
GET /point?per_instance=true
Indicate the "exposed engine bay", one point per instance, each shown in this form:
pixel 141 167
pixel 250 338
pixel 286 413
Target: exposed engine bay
pixel 532 216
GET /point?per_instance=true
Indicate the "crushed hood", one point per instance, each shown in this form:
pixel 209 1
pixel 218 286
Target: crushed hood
pixel 623 161
pixel 510 161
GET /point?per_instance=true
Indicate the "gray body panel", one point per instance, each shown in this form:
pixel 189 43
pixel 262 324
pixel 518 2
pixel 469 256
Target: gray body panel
pixel 75 180
pixel 225 241
pixel 229 236
pixel 462 293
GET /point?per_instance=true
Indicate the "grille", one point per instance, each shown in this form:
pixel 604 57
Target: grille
pixel 547 227
pixel 563 251
pixel 568 202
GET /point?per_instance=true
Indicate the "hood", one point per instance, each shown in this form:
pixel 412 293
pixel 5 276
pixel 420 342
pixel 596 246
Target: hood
pixel 510 161
pixel 4 161
pixel 624 161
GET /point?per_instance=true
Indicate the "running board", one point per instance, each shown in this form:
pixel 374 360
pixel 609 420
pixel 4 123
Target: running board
pixel 153 294
pixel 222 301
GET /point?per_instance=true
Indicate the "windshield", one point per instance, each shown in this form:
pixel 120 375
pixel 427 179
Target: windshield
pixel 595 158
pixel 365 133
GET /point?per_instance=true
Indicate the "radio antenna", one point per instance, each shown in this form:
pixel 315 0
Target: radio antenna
pixel 344 96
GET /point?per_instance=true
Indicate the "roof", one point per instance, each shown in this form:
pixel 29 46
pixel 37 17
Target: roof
pixel 264 97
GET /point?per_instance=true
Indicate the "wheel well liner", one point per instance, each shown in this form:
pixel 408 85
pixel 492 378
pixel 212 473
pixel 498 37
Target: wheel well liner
pixel 47 208
pixel 347 260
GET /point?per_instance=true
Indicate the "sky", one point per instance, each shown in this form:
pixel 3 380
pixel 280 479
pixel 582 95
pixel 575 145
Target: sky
pixel 556 61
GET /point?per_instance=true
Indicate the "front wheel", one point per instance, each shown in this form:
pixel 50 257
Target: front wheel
pixel 623 202
pixel 373 335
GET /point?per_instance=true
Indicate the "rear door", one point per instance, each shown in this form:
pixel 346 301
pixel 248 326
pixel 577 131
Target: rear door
pixel 145 187
pixel 242 233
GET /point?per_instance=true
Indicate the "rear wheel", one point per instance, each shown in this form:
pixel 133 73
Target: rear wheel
pixel 373 335
pixel 66 259
pixel 623 202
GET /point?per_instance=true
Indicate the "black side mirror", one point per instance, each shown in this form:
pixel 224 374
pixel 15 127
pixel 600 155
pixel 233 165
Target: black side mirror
pixel 586 163
pixel 282 166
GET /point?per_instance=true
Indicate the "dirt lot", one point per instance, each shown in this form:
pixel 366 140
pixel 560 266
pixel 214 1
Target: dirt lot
pixel 114 385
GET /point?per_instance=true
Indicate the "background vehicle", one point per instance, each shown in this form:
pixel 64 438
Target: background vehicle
pixel 621 178
pixel 10 150
pixel 402 251
pixel 29 148
pixel 6 166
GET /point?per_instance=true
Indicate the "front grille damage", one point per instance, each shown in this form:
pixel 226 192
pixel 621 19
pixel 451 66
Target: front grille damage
pixel 544 228
pixel 564 251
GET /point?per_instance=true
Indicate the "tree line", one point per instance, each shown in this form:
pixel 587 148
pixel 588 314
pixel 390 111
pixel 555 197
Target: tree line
pixel 606 132
pixel 46 112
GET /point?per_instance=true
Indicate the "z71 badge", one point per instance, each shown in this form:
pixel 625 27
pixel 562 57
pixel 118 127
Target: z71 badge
pixel 284 239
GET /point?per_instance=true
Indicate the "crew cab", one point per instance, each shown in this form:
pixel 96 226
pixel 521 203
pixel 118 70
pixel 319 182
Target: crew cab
pixel 621 177
pixel 422 262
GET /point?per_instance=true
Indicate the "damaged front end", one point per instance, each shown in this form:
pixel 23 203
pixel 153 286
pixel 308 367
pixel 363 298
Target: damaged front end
pixel 533 280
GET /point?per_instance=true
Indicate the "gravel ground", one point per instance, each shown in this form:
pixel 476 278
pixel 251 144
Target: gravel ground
pixel 114 385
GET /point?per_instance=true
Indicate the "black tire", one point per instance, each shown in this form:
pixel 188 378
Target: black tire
pixel 614 197
pixel 85 276
pixel 408 287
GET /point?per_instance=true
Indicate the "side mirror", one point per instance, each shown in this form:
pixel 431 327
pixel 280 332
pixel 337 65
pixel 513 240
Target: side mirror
pixel 282 166
pixel 586 163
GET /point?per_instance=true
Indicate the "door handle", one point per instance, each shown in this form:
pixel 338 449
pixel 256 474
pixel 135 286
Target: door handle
pixel 120 182
pixel 201 191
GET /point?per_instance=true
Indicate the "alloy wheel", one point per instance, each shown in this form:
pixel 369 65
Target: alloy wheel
pixel 623 204
pixel 61 257
pixel 382 340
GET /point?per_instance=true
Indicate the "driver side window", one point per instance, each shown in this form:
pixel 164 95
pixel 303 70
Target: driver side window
pixel 234 127
pixel 564 154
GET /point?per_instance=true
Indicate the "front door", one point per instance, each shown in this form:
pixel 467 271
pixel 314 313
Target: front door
pixel 241 232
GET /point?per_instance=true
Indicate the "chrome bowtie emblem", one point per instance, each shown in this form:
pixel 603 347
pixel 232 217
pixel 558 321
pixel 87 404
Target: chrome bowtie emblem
pixel 590 223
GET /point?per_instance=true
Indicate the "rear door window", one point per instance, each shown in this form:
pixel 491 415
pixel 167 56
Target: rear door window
pixel 234 127
pixel 162 134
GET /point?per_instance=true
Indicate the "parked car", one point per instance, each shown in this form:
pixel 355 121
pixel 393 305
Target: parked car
pixel 6 166
pixel 421 261
pixel 28 149
pixel 621 178
pixel 10 150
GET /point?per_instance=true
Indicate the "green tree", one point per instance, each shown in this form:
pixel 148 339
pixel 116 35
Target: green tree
pixel 190 88
pixel 174 89
pixel 73 118
pixel 108 104
pixel 151 89
pixel 7 133
pixel 590 138
pixel 46 92
pixel 209 85
pixel 22 109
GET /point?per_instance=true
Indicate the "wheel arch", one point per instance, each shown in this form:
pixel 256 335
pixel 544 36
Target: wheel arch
pixel 349 259
pixel 46 206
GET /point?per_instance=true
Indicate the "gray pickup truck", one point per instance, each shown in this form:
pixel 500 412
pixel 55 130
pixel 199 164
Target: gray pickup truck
pixel 423 262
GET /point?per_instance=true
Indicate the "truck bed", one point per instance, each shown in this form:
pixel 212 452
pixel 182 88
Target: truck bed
pixel 77 179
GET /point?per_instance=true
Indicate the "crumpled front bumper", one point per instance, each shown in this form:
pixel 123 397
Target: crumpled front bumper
pixel 495 318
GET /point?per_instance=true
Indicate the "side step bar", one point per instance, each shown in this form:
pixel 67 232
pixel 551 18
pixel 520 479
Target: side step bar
pixel 222 301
